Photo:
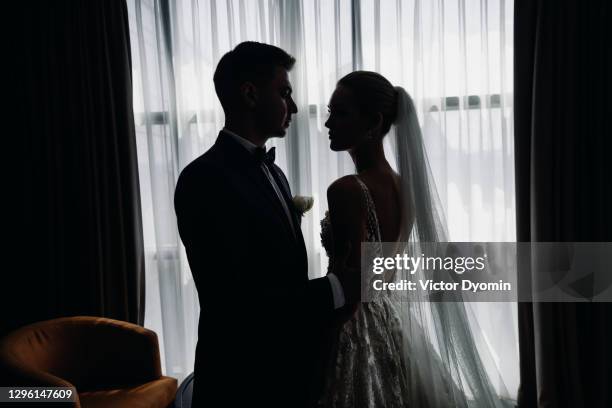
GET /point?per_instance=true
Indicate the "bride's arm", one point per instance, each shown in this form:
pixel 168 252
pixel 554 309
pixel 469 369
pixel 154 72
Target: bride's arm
pixel 347 214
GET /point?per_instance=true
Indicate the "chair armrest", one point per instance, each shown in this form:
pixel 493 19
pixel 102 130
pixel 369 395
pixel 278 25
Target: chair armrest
pixel 14 374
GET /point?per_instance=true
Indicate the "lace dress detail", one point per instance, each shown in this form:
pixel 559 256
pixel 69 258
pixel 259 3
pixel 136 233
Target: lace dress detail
pixel 366 367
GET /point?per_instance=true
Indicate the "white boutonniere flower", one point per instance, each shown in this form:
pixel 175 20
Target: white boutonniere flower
pixel 303 204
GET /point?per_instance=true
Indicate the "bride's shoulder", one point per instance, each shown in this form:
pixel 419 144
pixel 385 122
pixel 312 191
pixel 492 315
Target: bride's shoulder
pixel 344 184
pixel 343 191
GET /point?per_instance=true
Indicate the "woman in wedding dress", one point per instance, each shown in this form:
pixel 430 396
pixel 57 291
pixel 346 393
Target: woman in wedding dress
pixel 383 352
pixel 367 368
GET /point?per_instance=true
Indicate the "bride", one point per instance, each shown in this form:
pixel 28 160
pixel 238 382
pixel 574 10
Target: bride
pixel 387 353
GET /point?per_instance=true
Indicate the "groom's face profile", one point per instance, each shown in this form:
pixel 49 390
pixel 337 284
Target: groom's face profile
pixel 275 104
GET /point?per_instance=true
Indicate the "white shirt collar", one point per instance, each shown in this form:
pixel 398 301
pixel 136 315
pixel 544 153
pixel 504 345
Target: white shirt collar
pixel 247 144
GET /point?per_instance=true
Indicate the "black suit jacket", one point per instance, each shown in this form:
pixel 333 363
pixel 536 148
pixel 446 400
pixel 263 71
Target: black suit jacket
pixel 262 320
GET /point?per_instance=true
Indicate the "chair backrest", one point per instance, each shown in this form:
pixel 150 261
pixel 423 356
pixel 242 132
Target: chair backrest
pixel 88 352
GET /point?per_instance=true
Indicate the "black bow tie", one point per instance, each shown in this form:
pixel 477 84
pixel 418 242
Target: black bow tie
pixel 265 157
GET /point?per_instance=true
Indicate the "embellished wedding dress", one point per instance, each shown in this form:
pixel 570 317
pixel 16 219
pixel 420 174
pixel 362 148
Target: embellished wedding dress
pixel 366 368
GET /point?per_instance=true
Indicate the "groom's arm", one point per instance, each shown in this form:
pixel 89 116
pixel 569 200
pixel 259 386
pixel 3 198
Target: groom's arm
pixel 209 230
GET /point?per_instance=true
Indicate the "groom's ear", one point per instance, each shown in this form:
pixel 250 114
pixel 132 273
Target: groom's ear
pixel 249 94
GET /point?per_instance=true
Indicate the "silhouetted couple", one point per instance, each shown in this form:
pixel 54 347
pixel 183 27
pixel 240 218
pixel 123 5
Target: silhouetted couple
pixel 269 336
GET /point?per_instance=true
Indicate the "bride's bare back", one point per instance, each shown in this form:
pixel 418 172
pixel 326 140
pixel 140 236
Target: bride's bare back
pixel 384 189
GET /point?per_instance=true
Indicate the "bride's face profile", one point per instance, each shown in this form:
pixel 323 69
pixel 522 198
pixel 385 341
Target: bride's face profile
pixel 347 126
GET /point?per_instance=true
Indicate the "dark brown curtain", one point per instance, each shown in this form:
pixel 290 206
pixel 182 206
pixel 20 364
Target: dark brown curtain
pixel 563 128
pixel 79 232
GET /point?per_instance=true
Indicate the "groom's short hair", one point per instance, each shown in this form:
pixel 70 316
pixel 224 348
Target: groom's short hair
pixel 250 61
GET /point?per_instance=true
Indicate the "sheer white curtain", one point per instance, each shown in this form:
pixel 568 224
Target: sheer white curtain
pixel 453 56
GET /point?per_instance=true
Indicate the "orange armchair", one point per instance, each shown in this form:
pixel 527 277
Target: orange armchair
pixel 110 363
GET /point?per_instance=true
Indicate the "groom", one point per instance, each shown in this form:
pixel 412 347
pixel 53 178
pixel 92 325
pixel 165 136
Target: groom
pixel 262 322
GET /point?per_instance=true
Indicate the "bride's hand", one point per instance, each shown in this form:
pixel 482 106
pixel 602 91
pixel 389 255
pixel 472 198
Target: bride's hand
pixel 338 262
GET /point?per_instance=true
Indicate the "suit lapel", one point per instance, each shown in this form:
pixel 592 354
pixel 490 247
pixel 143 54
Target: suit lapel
pixel 243 162
pixel 284 186
pixel 286 193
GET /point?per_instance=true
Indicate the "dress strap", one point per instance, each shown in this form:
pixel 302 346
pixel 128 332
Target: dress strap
pixel 372 221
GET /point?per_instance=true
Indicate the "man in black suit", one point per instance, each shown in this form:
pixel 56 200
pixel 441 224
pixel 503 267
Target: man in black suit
pixel 262 321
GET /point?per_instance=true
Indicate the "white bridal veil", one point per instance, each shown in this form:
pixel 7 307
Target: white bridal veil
pixel 445 368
